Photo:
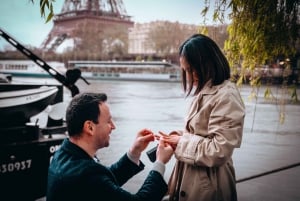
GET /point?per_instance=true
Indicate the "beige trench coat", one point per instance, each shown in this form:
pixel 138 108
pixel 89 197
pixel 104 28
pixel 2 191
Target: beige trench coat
pixel 204 170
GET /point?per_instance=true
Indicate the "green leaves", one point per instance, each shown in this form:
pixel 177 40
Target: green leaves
pixel 293 92
pixel 260 30
pixel 46 5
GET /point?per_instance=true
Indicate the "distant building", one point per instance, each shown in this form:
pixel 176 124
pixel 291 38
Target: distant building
pixel 138 36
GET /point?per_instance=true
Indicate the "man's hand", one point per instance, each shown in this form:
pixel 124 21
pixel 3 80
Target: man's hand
pixel 142 140
pixel 164 152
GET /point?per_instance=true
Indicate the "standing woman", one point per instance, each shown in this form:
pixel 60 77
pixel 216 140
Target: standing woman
pixel 214 126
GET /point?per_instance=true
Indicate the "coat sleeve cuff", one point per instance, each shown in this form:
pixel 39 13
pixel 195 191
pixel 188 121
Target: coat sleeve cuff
pixel 159 167
pixel 134 158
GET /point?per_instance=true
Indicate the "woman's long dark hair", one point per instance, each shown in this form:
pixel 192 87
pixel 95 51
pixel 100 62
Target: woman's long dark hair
pixel 206 60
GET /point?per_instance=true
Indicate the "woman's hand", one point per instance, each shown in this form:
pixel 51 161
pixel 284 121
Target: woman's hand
pixel 171 138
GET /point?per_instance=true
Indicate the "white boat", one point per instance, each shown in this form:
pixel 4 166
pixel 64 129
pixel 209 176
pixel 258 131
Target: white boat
pixel 128 70
pixel 99 70
pixel 19 103
pixel 27 68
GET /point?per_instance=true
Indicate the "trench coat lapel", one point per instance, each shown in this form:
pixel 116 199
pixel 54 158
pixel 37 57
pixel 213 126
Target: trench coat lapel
pixel 207 89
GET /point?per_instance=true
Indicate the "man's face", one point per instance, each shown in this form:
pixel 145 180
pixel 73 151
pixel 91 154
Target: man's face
pixel 104 127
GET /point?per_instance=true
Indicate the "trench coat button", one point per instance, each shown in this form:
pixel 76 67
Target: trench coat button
pixel 182 193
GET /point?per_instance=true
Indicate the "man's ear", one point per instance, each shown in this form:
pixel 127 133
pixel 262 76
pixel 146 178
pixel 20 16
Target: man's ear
pixel 88 127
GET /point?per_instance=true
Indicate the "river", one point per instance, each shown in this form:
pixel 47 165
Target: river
pixel 267 144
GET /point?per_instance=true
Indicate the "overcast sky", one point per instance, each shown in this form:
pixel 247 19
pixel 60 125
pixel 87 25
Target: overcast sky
pixel 21 19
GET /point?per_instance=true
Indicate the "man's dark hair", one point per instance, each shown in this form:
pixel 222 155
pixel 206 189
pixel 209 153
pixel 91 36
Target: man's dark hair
pixel 83 107
pixel 206 60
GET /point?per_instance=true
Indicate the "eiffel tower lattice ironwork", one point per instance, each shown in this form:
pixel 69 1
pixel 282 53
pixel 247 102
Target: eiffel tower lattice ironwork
pixel 75 12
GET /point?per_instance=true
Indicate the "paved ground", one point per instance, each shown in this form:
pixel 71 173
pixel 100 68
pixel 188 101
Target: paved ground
pixel 269 145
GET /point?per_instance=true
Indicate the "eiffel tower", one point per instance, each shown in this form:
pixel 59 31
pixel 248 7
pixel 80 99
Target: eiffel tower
pixel 99 13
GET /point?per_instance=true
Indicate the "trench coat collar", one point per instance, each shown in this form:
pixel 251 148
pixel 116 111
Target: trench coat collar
pixel 208 89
